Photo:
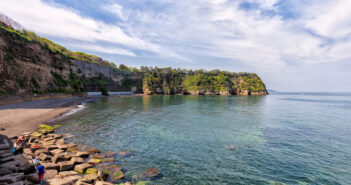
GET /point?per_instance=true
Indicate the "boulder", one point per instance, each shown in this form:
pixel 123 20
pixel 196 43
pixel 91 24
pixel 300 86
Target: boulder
pixel 60 142
pixel 114 171
pixel 82 167
pixel 70 145
pixel 11 178
pixel 110 169
pixel 5 171
pixel 27 151
pixel 151 173
pixel 60 157
pixel 93 151
pixel 62 147
pixel 66 166
pixel 33 178
pixel 73 149
pixel 24 165
pixel 90 150
pixel 109 154
pixel 81 154
pixel 51 147
pixel 5 151
pixel 6 154
pixel 66 174
pixel 68 135
pixel 7 159
pixel 94 161
pixel 70 180
pixel 9 166
pixel 77 160
pixel 49 174
pixel 91 171
pixel 4 144
pixel 108 160
pixel 38 152
pixel 116 176
pixel 28 157
pixel 124 153
pixel 98 156
pixel 90 178
pixel 56 151
pixel 44 157
pixel 51 166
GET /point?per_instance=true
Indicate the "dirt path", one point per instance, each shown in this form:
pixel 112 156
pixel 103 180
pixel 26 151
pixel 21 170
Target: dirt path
pixel 15 119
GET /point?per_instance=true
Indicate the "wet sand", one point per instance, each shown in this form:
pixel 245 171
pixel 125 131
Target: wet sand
pixel 15 119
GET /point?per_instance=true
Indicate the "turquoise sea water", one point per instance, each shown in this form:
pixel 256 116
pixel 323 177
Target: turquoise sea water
pixel 290 138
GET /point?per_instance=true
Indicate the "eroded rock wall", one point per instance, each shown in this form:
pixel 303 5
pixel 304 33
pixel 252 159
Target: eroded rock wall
pixel 27 67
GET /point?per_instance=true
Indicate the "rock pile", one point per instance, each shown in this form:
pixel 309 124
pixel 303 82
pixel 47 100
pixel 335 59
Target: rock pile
pixel 65 163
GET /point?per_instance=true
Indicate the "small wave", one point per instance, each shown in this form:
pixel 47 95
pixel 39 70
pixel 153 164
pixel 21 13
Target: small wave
pixel 78 108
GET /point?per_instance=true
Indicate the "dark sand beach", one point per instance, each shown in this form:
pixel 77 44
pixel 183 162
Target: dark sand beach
pixel 23 117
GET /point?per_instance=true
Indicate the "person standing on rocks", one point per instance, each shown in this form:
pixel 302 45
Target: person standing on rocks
pixel 40 171
pixel 20 143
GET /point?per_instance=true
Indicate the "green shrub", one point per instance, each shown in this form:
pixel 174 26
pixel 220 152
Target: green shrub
pixel 103 91
pixel 21 82
pixel 59 81
pixel 35 83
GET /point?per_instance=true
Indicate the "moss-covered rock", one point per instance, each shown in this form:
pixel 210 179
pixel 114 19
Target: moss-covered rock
pixel 91 171
pixel 117 175
pixel 94 161
pixel 108 160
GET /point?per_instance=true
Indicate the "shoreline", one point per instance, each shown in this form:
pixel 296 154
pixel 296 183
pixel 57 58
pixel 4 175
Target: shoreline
pixel 20 117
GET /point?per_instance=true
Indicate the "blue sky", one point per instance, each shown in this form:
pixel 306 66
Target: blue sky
pixel 294 45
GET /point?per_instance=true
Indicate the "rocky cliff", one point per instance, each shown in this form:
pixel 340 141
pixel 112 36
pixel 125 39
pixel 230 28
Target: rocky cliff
pixel 28 67
pixel 31 64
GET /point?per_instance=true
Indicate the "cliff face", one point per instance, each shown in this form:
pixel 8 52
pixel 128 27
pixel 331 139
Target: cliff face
pixel 28 67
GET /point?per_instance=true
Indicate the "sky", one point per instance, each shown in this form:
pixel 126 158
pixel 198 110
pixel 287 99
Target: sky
pixel 293 45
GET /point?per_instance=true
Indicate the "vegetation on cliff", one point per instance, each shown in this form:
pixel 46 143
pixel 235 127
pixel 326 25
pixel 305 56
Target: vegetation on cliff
pixel 180 81
pixel 56 48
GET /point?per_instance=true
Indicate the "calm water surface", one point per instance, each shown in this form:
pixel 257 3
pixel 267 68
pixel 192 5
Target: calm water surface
pixel 287 138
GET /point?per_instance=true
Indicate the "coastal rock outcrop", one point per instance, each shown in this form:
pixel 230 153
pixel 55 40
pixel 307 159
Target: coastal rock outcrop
pixel 62 167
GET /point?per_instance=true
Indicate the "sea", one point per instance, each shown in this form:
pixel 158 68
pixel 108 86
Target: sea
pixel 281 138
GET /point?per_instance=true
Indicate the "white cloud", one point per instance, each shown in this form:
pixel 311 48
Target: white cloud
pixel 195 30
pixel 49 20
pixel 330 19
